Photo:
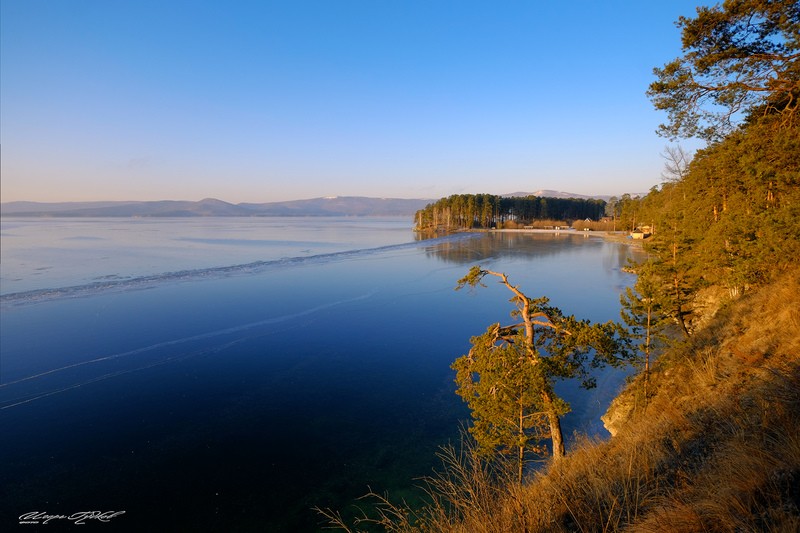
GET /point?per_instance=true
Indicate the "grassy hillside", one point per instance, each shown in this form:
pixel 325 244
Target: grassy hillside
pixel 717 448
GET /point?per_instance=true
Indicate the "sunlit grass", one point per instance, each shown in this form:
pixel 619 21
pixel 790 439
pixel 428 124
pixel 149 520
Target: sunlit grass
pixel 716 448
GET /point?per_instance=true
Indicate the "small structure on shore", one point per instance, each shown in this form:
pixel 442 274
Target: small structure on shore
pixel 642 232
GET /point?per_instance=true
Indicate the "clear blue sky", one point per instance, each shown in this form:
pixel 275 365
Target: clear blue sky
pixel 275 100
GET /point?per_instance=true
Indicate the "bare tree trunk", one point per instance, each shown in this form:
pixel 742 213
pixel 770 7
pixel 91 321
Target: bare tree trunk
pixel 524 305
pixel 647 351
pixel 556 435
pixel 679 306
pixel 521 457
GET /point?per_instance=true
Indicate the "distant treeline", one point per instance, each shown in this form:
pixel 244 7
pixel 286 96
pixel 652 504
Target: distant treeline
pixel 462 211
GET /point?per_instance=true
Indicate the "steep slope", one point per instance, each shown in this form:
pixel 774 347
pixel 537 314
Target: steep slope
pixel 717 448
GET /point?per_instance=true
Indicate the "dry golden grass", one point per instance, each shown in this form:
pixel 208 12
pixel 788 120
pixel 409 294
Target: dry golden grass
pixel 598 226
pixel 717 448
pixel 536 224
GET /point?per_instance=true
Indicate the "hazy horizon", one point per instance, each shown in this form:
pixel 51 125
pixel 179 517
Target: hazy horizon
pixel 532 192
pixel 277 101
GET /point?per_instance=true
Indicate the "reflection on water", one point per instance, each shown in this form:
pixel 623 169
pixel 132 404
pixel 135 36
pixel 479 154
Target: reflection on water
pixel 240 402
pixel 500 245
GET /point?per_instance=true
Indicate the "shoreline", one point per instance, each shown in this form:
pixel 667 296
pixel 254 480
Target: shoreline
pixel 621 237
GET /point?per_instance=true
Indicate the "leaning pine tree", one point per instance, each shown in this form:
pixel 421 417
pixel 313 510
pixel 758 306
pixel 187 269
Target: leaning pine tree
pixel 502 386
pixel 508 376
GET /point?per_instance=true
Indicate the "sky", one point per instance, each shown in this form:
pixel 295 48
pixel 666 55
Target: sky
pixel 262 101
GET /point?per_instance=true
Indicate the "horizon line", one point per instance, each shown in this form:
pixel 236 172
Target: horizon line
pixel 208 198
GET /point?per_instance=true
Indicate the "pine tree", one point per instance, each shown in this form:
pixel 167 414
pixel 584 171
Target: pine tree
pixel 500 385
pixel 544 347
pixel 645 312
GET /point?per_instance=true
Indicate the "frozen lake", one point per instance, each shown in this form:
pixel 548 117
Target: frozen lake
pixel 223 374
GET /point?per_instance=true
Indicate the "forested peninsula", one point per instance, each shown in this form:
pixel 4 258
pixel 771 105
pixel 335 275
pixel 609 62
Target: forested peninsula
pixel 468 211
pixel 705 435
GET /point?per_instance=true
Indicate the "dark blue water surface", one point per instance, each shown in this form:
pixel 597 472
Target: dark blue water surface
pixel 236 399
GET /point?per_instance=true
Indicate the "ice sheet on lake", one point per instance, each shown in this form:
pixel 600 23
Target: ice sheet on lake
pixel 58 380
pixel 115 282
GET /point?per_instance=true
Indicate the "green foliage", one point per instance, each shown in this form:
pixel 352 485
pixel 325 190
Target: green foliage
pixel 628 212
pixel 739 57
pixel 507 377
pixel 672 248
pixel 646 312
pixel 464 211
pixel 611 207
pixel 501 387
pixel 747 194
pixel 731 217
pixel 731 221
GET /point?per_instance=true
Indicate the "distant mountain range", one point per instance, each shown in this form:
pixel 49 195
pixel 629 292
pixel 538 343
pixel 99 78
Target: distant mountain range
pixel 211 207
